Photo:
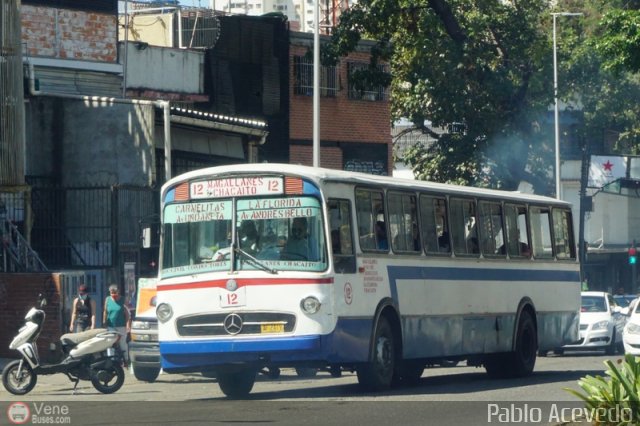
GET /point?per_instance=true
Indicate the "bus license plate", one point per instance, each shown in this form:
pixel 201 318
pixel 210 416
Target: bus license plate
pixel 271 328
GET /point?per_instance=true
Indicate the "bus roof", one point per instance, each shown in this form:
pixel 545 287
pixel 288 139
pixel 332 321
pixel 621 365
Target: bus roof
pixel 320 175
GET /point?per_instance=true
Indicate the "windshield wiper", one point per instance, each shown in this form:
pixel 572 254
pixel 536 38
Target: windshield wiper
pixel 255 262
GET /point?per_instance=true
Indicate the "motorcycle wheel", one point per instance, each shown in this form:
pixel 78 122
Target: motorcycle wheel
pixel 19 385
pixel 108 380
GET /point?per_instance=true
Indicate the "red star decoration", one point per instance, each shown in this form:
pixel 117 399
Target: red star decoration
pixel 608 166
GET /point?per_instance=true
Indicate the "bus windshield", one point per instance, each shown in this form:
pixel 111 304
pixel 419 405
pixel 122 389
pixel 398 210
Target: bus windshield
pixel 282 233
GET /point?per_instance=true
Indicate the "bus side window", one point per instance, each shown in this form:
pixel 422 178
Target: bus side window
pixel 403 222
pixel 340 227
pixel 516 223
pixel 540 218
pixel 435 229
pixel 491 229
pixel 372 228
pixel 565 248
pixel 463 227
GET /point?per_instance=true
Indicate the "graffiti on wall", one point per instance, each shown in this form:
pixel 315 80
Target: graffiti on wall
pixel 366 166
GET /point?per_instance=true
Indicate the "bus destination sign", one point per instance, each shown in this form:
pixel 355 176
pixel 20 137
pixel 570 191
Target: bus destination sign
pixel 237 187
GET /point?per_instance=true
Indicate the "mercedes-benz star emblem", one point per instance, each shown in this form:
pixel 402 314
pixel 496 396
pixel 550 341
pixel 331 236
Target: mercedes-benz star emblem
pixel 233 324
pixel 232 285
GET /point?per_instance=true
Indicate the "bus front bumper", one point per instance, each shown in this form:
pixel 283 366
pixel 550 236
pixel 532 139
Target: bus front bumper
pixel 192 355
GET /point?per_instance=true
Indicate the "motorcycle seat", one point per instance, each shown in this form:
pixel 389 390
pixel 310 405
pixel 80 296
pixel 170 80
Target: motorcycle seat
pixel 72 339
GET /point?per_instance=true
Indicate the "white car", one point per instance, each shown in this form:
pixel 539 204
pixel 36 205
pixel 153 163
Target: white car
pixel 601 323
pixel 631 334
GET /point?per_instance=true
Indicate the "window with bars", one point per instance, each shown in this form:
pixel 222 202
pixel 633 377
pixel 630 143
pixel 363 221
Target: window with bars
pixel 362 90
pixel 303 78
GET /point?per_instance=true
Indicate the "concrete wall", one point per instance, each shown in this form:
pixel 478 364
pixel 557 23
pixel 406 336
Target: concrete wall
pixel 87 143
pixel 18 293
pixel 155 29
pixel 166 69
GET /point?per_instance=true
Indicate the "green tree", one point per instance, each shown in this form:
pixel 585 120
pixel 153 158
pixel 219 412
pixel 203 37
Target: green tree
pixel 487 65
pixel 484 65
pixel 611 92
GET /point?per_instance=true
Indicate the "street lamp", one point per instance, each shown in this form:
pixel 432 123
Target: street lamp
pixel 555 96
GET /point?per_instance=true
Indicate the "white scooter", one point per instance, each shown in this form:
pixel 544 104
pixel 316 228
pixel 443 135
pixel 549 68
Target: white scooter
pixel 89 355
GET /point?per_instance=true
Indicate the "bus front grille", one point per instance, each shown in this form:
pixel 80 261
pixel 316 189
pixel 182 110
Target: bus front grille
pixel 235 323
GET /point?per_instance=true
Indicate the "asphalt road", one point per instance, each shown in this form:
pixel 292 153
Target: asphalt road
pixel 457 396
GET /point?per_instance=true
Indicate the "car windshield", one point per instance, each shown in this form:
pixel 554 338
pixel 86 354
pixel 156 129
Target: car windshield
pixel 593 304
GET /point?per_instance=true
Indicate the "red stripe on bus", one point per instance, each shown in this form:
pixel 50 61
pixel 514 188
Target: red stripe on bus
pixel 243 282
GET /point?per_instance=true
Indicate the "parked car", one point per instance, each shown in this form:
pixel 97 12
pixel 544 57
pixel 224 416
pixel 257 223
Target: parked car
pixel 601 324
pixel 631 333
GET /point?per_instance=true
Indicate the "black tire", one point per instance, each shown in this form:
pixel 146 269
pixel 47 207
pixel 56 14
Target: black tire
pixel 146 374
pixel 522 360
pixel 410 371
pixel 108 380
pixel 19 385
pixel 273 373
pixel 335 371
pixel 378 373
pixel 306 372
pixel 237 384
pixel 494 365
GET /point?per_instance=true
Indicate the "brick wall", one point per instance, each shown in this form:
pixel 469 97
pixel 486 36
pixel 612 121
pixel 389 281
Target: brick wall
pixel 18 293
pixel 330 157
pixel 342 119
pixel 69 34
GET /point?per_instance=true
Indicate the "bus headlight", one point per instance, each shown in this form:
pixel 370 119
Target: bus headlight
pixel 310 305
pixel 164 312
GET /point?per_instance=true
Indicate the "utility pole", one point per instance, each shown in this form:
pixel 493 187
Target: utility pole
pixel 584 175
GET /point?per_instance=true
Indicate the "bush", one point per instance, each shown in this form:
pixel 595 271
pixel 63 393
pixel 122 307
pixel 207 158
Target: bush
pixel 606 398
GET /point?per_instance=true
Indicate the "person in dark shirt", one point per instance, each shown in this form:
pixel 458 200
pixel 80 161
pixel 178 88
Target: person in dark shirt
pixel 381 236
pixel 83 311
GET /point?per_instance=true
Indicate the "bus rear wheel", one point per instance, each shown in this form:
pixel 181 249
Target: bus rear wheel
pixel 521 361
pixel 378 373
pixel 237 384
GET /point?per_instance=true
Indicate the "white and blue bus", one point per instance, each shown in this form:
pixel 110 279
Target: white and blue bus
pixel 277 265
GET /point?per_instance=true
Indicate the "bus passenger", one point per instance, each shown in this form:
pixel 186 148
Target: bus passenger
pixel 381 236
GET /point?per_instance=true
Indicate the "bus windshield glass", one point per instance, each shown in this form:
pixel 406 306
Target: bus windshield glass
pixel 283 233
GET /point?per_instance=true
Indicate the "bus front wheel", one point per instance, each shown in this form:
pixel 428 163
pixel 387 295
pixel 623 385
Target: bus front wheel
pixel 377 374
pixel 237 384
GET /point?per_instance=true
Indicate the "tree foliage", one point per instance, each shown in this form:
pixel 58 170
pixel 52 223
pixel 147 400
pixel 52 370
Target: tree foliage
pixel 482 64
pixel 487 66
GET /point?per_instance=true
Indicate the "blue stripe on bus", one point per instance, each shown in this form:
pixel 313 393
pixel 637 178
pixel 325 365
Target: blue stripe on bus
pixel 349 342
pixel 309 188
pixel 474 274
pixel 170 195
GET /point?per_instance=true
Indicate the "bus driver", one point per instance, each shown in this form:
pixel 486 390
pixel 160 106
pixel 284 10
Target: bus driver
pixel 299 245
